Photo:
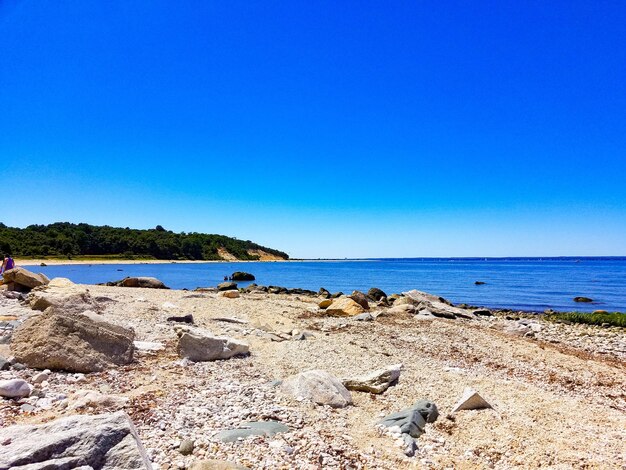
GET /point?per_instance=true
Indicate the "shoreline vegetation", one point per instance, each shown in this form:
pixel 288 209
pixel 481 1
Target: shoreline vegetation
pixel 67 240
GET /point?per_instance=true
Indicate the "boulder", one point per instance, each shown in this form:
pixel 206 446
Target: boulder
pixel 72 342
pixel 14 388
pixel 437 306
pixel 402 308
pixel 64 297
pixel 375 382
pixel 230 294
pixel 106 442
pixel 22 280
pixel 198 345
pixel 583 299
pixel 319 387
pixel 376 294
pixel 471 400
pixel 360 298
pixel 227 286
pixel 145 282
pixel 344 307
pixel 241 276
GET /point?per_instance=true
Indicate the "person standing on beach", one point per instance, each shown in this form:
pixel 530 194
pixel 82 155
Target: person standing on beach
pixel 7 264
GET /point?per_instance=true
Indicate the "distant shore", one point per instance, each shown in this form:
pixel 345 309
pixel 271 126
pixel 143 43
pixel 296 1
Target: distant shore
pixel 57 262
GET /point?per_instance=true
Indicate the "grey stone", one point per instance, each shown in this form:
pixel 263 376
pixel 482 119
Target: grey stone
pixel 319 387
pixel 4 364
pixel 14 388
pixel 104 442
pixel 375 382
pixel 255 428
pixel 198 345
pixel 186 447
pixel 364 317
pixel 412 421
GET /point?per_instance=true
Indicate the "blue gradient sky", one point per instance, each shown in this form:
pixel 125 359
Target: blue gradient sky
pixel 326 129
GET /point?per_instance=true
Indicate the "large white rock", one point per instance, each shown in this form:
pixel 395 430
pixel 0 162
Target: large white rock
pixel 72 342
pixel 104 442
pixel 14 388
pixel 198 345
pixel 319 387
pixel 471 400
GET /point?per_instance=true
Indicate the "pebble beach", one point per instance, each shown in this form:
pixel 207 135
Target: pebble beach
pixel 556 391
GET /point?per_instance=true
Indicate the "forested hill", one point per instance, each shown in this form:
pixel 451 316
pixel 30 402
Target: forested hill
pixel 65 239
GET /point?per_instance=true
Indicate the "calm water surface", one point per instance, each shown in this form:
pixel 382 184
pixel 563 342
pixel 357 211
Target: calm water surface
pixel 524 284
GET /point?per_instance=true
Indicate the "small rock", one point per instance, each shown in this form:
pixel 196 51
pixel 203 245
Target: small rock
pixel 186 447
pixel 364 317
pixel 14 388
pixel 41 377
pixel 471 400
pixel 375 382
pixel 230 294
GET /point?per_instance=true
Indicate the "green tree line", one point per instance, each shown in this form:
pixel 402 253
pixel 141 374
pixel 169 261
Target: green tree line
pixel 66 239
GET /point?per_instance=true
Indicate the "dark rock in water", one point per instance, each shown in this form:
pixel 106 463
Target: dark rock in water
pixel 376 294
pixel 43 264
pixel 259 428
pixel 241 276
pixel 324 293
pixel 182 319
pixel 100 441
pixel 483 312
pixel 227 286
pixel 359 298
pixel 336 295
pixel 582 299
pixel 479 283
pixel 144 282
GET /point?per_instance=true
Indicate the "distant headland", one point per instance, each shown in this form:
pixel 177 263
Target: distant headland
pixel 63 240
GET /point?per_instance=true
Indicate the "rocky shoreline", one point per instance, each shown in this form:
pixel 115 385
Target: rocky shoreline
pixel 555 392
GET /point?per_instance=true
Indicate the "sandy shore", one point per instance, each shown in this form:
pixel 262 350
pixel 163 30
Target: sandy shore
pixel 57 262
pixel 558 394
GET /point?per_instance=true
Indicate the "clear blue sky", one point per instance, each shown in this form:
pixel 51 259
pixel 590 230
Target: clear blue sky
pixel 323 128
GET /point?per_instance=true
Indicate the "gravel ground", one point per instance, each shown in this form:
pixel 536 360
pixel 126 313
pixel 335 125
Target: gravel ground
pixel 558 391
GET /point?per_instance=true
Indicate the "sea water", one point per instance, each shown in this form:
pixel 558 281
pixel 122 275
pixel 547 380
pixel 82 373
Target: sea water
pixel 530 284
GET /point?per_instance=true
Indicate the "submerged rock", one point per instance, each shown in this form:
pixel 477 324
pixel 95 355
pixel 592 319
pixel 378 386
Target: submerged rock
pixel 582 299
pixel 242 276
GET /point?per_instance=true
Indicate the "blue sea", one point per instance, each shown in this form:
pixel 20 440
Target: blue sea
pixel 529 284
